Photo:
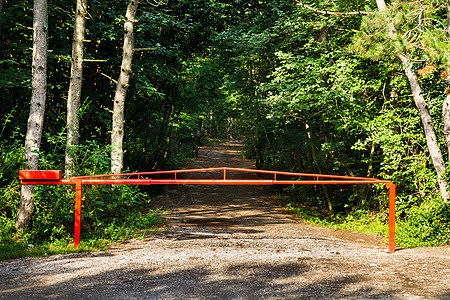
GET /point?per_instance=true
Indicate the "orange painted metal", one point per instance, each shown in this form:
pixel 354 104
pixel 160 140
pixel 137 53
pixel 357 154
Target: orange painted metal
pixel 78 198
pixel 40 174
pixel 392 194
pixel 54 177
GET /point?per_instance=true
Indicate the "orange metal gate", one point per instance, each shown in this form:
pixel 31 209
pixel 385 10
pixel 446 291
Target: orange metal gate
pixel 33 177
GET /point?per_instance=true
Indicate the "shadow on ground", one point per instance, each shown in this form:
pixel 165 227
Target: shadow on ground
pixel 236 282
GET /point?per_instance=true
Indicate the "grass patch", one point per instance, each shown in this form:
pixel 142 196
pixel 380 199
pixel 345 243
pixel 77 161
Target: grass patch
pixel 424 225
pixel 16 250
pixel 95 244
pixel 358 221
pixel 137 226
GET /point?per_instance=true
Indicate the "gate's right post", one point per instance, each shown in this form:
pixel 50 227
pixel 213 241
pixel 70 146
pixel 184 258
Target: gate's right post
pixel 392 192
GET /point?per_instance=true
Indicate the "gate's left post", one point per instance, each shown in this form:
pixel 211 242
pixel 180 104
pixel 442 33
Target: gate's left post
pixel 78 196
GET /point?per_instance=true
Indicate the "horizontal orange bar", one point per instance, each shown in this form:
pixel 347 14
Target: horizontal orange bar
pixel 327 181
pixel 213 181
pixel 101 181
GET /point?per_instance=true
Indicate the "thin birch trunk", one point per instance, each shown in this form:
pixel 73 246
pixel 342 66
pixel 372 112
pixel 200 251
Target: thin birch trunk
pixel 37 110
pixel 76 80
pixel 121 90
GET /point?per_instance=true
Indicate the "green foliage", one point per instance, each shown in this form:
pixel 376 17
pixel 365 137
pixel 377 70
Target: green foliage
pixel 425 225
pixel 108 214
pixel 416 226
pixel 359 220
pixel 414 28
pixel 15 250
pixel 11 159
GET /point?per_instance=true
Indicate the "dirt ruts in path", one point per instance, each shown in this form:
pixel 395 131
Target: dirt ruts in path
pixel 195 208
pixel 229 242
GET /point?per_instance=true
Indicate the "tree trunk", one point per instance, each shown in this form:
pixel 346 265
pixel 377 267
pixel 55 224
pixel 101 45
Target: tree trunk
pixel 381 4
pixel 76 80
pixel 448 17
pixel 427 122
pixel 121 90
pixel 428 127
pixel 446 119
pixel 198 137
pixel 319 169
pixel 37 109
pixel 2 4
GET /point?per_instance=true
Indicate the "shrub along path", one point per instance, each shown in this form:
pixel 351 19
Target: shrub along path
pixel 228 242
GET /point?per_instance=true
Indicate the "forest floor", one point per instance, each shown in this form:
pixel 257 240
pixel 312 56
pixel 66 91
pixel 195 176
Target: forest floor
pixel 231 242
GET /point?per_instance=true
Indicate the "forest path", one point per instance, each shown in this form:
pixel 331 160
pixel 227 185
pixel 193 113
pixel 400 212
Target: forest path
pixel 229 242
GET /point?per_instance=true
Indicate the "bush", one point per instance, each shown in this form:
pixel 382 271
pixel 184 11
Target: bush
pixel 416 226
pixel 425 225
pixel 11 159
pixel 108 213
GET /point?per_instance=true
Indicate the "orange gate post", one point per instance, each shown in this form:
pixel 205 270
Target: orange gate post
pixel 392 192
pixel 78 197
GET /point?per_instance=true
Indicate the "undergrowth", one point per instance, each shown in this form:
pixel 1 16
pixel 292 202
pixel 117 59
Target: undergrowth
pixel 108 213
pixel 416 226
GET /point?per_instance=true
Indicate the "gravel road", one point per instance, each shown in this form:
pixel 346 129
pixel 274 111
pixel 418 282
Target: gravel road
pixel 230 242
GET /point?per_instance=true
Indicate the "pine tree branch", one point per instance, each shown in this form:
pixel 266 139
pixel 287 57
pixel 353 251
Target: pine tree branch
pixel 334 13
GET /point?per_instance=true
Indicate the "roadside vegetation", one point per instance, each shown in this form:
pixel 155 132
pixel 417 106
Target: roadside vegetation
pixel 331 87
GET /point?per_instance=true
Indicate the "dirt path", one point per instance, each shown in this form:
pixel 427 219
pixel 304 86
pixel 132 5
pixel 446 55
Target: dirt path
pixel 228 242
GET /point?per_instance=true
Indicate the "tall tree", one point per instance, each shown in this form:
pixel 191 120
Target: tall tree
pixel 76 80
pixel 118 118
pixel 37 110
pixel 427 122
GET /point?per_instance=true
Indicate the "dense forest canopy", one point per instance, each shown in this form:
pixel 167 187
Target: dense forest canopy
pixel 355 88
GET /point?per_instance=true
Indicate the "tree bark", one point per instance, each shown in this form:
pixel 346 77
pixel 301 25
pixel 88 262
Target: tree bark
pixel 428 127
pixel 381 5
pixel 121 90
pixel 446 120
pixel 319 169
pixel 76 80
pixel 198 136
pixel 37 109
pixel 448 17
